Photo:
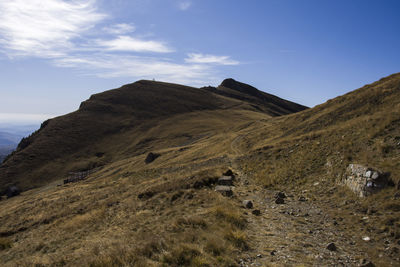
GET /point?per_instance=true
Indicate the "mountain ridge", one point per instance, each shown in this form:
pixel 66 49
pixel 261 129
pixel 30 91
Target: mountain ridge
pixel 110 113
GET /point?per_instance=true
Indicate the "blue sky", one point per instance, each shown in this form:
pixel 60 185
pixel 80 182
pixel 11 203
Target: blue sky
pixel 56 53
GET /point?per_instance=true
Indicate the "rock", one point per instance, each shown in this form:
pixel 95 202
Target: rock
pixel 151 157
pixel 280 195
pixel 375 175
pixel 12 191
pixel 279 200
pixel 331 247
pixel 368 174
pixel 273 253
pixel 397 195
pixel 224 190
pixel 302 199
pixel 229 173
pixel 259 256
pixel 366 238
pixel 366 263
pixel 256 212
pixel 225 180
pixel 248 204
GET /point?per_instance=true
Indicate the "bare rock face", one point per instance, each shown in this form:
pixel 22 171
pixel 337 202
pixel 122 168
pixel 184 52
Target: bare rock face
pixel 365 181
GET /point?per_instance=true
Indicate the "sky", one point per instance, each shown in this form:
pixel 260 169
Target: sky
pixel 55 53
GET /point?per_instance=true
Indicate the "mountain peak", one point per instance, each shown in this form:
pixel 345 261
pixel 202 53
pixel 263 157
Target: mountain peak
pixel 241 87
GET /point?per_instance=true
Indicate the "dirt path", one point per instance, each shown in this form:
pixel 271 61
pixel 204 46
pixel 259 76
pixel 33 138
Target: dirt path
pixel 296 233
pixel 293 233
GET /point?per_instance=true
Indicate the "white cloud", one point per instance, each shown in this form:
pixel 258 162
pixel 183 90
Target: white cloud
pixel 44 28
pixel 210 59
pixel 127 43
pixel 58 29
pixel 109 66
pixel 118 29
pixel 184 5
pixel 22 118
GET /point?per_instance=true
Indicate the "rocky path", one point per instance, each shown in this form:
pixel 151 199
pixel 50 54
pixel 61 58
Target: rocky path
pixel 293 233
pixel 298 232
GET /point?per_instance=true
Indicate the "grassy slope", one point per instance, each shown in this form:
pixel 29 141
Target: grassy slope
pixel 117 118
pixel 101 221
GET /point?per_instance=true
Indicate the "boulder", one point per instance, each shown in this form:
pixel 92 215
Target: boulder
pixel 248 204
pixel 224 190
pixel 279 200
pixel 12 191
pixel 229 173
pixel 151 157
pixel 225 180
pixel 256 212
pixel 280 195
pixel 331 247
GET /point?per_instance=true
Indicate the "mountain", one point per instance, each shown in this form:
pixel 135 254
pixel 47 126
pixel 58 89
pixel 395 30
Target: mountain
pixel 134 209
pixel 267 103
pixel 117 118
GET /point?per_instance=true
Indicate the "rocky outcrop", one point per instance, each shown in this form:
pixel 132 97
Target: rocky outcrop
pixel 364 180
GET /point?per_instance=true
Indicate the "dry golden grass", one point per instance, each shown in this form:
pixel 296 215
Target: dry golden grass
pixel 102 221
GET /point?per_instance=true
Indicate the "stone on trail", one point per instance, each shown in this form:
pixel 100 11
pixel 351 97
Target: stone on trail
pixel 366 263
pixel 224 190
pixel 331 247
pixel 225 180
pixel 248 204
pixel 280 195
pixel 256 212
pixel 279 200
pixel 228 173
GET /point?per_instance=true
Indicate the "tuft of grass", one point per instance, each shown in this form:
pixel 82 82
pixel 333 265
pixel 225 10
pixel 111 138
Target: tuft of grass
pixel 184 255
pixel 192 221
pixel 238 238
pixel 229 215
pixel 215 246
pixel 5 243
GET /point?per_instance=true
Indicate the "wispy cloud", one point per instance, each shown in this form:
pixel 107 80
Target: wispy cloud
pixel 59 30
pixel 120 28
pixel 109 66
pixel 127 43
pixel 210 59
pixel 184 5
pixel 44 28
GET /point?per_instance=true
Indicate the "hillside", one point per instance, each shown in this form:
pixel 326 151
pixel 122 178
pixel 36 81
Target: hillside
pixel 119 118
pixel 167 212
pixel 262 101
